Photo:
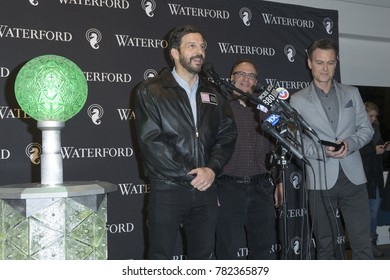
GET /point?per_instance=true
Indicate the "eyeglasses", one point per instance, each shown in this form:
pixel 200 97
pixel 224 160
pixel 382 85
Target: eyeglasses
pixel 242 74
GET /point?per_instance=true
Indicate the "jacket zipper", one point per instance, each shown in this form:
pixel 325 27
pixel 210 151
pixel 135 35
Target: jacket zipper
pixel 197 146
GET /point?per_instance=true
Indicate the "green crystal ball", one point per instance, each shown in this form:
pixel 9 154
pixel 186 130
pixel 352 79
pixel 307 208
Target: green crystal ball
pixel 51 88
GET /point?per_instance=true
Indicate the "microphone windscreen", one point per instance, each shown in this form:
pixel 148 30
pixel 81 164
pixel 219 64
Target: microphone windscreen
pixel 259 88
pixel 207 66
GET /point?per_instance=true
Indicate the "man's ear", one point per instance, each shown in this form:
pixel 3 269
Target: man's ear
pixel 175 53
pixel 309 63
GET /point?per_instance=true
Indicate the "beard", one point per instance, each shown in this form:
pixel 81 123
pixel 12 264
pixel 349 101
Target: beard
pixel 186 63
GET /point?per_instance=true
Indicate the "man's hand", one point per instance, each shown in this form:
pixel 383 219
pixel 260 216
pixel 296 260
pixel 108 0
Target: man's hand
pixel 339 154
pixel 204 178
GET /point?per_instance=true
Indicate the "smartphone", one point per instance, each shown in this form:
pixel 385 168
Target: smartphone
pixel 332 144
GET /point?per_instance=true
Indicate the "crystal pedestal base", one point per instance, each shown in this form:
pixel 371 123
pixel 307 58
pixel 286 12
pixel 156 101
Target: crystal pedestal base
pixel 64 222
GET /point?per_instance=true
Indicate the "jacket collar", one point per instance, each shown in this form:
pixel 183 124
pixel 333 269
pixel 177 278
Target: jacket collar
pixel 169 81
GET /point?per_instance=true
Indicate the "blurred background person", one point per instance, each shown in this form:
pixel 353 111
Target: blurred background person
pixel 372 155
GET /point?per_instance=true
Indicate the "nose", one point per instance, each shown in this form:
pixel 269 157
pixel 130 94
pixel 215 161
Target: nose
pixel 200 50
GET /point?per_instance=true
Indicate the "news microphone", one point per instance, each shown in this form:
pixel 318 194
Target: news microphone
pixel 275 101
pixel 213 77
pixel 208 68
pixel 283 95
pixel 269 126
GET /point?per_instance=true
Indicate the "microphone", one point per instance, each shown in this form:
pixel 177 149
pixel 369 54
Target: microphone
pixel 283 95
pixel 208 68
pixel 275 101
pixel 268 126
pixel 213 77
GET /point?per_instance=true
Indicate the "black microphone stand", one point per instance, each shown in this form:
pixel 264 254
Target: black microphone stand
pixel 281 159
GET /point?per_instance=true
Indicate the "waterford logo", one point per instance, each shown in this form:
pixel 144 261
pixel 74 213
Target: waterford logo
pixel 245 15
pixel 4 72
pixel 149 6
pixel 290 52
pixel 130 188
pixel 112 4
pixel 227 48
pixel 34 34
pixel 295 179
pixel 242 252
pixel 128 41
pixel 328 24
pixel 4 154
pixel 15 113
pixel 33 152
pixel 150 73
pixel 276 20
pixel 95 112
pixel 107 77
pixel 296 245
pixel 179 10
pixel 77 153
pixel 34 2
pixel 120 228
pixel 296 213
pixel 93 36
pixel 126 114
pixel 286 84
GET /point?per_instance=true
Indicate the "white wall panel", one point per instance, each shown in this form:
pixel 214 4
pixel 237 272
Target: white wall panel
pixel 364 39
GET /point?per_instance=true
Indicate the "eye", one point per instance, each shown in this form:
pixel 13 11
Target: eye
pixel 252 76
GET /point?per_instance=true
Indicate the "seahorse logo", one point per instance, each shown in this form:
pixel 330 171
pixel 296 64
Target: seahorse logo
pixel 33 152
pixel 245 15
pixel 93 37
pixel 149 6
pixel 290 52
pixel 150 73
pixel 296 245
pixel 328 24
pixel 95 112
pixel 295 179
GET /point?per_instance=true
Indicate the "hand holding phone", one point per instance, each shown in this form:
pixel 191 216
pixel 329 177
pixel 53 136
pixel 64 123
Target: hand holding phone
pixel 386 145
pixel 331 144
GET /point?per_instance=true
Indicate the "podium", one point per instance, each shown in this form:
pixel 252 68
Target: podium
pixel 61 222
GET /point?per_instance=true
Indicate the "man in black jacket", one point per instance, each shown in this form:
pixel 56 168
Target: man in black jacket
pixel 186 134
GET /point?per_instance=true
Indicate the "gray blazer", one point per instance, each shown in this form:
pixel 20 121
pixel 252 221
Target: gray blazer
pixel 353 127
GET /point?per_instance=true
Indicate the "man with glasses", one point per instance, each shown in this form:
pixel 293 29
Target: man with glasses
pixel 246 188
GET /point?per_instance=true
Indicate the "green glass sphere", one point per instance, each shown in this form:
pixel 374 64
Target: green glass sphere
pixel 51 88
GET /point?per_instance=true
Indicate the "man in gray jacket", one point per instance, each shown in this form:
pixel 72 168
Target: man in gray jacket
pixel 337 114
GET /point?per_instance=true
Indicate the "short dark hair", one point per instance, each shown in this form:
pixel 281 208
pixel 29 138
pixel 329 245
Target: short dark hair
pixel 238 62
pixel 323 44
pixel 175 36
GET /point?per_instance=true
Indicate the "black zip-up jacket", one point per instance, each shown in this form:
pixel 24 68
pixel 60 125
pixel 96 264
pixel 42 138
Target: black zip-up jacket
pixel 170 143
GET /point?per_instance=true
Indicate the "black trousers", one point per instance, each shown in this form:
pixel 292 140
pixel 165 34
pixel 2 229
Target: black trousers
pixel 171 206
pixel 246 213
pixel 352 200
